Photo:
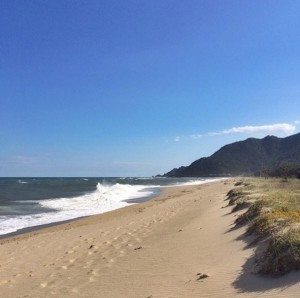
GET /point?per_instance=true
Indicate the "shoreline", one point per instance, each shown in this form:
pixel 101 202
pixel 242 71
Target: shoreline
pixel 57 223
pixel 158 248
pixel 38 228
pixel 130 202
pixel 156 192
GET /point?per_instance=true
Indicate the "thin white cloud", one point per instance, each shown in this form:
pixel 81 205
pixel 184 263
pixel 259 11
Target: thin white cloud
pixel 297 122
pixel 284 128
pixel 19 160
pixel 281 127
pixel 177 139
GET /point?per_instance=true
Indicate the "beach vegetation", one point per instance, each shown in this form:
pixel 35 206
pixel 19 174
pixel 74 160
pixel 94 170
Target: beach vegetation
pixel 273 214
pixel 282 254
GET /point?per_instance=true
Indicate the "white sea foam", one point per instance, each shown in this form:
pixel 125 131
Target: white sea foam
pixel 22 182
pixel 201 181
pixel 104 198
pixel 198 181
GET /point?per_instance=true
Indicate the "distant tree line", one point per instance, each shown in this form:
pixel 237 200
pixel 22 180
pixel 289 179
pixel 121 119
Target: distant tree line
pixel 284 171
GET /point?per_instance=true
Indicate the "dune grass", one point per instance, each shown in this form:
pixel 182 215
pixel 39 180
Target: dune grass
pixel 273 213
pixel 282 254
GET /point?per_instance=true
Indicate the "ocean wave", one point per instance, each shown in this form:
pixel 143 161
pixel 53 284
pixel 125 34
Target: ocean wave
pixel 200 181
pixel 105 198
pixel 22 182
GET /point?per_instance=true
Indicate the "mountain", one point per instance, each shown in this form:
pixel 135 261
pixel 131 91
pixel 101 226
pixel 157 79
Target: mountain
pixel 248 157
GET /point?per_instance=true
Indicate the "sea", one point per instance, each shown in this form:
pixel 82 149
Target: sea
pixel 32 202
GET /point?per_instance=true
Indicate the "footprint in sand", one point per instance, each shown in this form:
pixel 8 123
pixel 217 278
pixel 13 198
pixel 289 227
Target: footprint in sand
pixel 88 264
pixel 124 240
pixel 43 285
pixel 46 284
pixel 72 260
pixel 117 246
pixel 4 282
pixel 70 252
pixel 75 290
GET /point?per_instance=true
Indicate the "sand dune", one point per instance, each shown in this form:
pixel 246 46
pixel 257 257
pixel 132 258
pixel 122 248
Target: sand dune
pixel 155 249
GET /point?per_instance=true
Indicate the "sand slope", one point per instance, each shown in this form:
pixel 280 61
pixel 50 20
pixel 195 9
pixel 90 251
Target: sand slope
pixel 154 249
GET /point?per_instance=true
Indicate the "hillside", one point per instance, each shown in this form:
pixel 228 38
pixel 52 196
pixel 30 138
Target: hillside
pixel 248 157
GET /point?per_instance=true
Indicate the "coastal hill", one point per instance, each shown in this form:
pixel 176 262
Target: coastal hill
pixel 248 157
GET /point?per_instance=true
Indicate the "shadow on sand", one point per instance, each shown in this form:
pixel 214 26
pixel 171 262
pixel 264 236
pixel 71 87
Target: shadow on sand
pixel 249 280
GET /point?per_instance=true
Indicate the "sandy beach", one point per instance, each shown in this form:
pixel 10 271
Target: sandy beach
pixel 158 248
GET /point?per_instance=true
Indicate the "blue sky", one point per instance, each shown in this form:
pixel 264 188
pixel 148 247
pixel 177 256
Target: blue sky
pixel 135 88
